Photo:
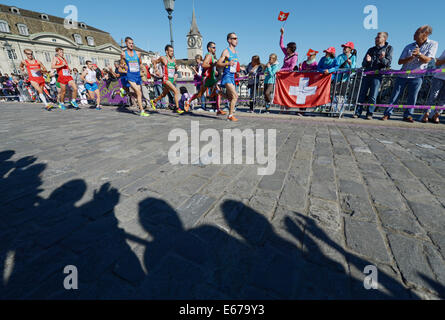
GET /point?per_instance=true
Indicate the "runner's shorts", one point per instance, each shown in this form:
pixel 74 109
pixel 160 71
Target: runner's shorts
pixel 91 87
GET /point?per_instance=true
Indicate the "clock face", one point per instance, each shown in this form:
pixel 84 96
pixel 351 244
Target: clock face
pixel 192 42
pixel 199 43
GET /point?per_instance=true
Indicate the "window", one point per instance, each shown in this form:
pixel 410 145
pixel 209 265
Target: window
pixel 12 54
pixel 107 62
pixel 78 38
pixel 81 60
pixel 4 27
pixel 54 40
pixel 23 29
pixel 83 25
pixel 15 10
pixel 48 57
pixel 68 58
pixel 44 17
pixel 90 41
pixel 94 60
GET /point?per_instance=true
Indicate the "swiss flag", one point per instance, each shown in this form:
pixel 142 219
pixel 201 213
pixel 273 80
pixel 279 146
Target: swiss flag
pixel 283 16
pixel 302 90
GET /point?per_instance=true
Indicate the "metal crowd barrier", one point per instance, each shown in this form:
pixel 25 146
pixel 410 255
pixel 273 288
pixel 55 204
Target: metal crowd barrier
pixel 345 91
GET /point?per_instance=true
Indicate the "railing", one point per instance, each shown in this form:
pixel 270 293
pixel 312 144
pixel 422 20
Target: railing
pixel 345 91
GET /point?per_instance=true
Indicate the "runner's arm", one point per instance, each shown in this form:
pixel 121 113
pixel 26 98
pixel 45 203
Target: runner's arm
pixel 207 62
pixel 42 67
pixel 221 63
pixel 54 66
pixel 22 66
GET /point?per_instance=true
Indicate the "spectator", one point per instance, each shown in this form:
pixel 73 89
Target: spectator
pixel 311 63
pixel 378 57
pixel 290 54
pixel 80 86
pixel 269 80
pixel 99 74
pixel 328 64
pixel 253 70
pixel 185 96
pixel 437 93
pixel 415 56
pixel 347 60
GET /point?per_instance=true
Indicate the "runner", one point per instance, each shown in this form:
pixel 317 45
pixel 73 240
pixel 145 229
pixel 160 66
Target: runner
pixel 229 61
pixel 89 76
pixel 209 81
pixel 169 63
pixel 134 64
pixel 61 65
pixel 35 70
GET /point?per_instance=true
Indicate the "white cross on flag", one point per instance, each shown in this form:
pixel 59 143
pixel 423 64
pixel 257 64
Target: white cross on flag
pixel 302 90
pixel 283 16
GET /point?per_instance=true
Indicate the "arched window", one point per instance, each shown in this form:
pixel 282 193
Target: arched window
pixel 44 17
pixel 77 38
pixel 4 26
pixel 23 29
pixel 14 10
pixel 90 41
pixel 83 25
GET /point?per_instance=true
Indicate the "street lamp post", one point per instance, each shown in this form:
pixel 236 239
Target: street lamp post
pixel 10 54
pixel 169 7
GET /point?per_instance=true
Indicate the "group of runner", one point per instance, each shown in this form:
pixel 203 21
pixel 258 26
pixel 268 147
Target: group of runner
pixel 129 71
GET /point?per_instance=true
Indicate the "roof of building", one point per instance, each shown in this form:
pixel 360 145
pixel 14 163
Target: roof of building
pixel 194 28
pixel 37 24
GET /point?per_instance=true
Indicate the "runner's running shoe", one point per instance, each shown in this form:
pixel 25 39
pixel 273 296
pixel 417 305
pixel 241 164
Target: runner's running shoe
pixel 144 114
pixel 178 111
pixel 74 104
pixel 48 107
pixel 122 92
pixel 153 106
pixel 62 106
pixel 98 108
pixel 232 118
pixel 221 113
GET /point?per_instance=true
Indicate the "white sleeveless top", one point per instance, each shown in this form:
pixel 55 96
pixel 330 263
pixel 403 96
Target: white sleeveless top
pixel 91 76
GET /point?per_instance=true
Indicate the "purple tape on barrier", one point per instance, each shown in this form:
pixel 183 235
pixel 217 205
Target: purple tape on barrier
pixel 402 106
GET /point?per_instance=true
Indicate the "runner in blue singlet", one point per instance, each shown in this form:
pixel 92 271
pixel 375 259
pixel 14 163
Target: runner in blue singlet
pixel 133 60
pixel 229 61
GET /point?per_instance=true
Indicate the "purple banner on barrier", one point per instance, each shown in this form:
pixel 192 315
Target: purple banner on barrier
pixel 111 94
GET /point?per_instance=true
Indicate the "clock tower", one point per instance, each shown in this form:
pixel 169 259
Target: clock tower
pixel 194 40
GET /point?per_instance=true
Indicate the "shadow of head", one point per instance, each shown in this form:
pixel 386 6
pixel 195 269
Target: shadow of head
pixel 154 214
pixel 70 192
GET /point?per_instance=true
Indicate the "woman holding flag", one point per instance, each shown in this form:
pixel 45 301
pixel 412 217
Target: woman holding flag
pixel 290 54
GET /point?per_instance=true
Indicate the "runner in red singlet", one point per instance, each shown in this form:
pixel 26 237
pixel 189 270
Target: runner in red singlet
pixel 63 70
pixel 35 70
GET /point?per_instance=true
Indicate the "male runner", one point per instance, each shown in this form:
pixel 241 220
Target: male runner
pixel 169 63
pixel 133 61
pixel 35 70
pixel 63 70
pixel 89 76
pixel 229 61
pixel 209 80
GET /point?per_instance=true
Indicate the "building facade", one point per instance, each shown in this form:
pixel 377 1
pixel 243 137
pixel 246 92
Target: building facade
pixel 24 29
pixel 194 40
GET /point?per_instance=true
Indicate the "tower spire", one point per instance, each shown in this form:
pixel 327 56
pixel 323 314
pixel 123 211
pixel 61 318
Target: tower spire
pixel 194 28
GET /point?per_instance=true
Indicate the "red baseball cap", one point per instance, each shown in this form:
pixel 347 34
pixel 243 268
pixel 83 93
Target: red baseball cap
pixel 330 50
pixel 311 52
pixel 348 44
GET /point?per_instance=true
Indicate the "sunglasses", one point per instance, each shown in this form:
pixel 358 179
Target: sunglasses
pixel 233 38
pixel 212 47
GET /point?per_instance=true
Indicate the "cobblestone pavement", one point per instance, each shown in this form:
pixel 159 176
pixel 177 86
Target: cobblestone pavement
pixel 95 189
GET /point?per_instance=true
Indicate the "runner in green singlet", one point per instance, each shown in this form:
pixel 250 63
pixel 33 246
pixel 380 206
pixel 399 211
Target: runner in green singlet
pixel 169 63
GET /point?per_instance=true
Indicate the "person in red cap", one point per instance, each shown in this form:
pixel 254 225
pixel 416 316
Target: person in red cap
pixel 311 63
pixel 328 64
pixel 347 60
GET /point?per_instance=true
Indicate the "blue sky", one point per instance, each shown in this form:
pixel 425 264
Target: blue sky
pixel 312 24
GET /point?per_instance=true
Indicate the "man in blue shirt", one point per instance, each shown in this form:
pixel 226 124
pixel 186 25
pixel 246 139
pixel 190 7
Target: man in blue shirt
pixel 415 56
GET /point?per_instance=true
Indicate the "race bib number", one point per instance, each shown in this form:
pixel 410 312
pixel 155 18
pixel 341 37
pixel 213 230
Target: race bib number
pixel 171 73
pixel 66 72
pixel 233 68
pixel 134 67
pixel 36 73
